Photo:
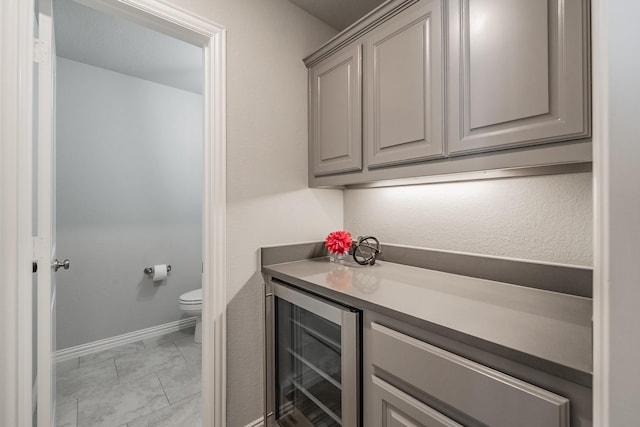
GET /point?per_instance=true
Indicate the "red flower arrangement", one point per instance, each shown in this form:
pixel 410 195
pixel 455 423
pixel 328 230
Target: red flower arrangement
pixel 338 242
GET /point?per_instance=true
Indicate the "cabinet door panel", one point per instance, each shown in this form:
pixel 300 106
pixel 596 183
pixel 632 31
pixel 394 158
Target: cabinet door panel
pixel 394 408
pixel 517 73
pixel 399 81
pixel 336 114
pixel 483 394
pixel 508 64
pixel 404 96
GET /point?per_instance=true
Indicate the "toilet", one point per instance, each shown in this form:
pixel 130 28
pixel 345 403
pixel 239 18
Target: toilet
pixel 191 304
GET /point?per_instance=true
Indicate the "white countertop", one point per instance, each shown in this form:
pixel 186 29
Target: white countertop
pixel 549 325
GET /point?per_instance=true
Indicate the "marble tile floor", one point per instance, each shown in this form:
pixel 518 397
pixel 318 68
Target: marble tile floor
pixel 154 382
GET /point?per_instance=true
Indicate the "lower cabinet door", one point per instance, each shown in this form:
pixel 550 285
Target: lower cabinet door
pixel 394 408
pixel 488 396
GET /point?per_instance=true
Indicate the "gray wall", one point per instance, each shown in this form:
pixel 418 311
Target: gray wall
pixel 268 200
pixel 544 218
pixel 129 182
pixel 617 308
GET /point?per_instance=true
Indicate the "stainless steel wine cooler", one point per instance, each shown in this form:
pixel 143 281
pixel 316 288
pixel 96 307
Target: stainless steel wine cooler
pixel 313 360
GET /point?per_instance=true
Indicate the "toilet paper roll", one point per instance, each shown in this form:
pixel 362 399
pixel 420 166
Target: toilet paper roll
pixel 159 272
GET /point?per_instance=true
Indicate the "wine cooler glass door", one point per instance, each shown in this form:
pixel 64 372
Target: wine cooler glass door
pixel 316 361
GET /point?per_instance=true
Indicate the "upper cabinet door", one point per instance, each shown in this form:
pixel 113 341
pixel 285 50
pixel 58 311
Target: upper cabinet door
pixel 404 96
pixel 335 121
pixel 518 73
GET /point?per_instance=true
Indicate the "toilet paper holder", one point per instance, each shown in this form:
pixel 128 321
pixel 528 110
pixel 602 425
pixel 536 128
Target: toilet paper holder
pixel 149 270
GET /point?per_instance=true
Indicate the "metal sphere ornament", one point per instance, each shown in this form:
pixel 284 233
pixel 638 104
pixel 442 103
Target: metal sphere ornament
pixel 365 250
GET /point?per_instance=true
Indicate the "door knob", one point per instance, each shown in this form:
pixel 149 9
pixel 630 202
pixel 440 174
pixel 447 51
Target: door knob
pixel 64 264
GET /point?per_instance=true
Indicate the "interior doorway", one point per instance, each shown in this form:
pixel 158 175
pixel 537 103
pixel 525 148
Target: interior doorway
pixel 132 98
pixel 209 40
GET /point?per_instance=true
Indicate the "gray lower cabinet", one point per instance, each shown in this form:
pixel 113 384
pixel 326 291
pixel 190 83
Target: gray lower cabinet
pixel 403 369
pixel 335 122
pixel 398 409
pixel 404 96
pixel 517 73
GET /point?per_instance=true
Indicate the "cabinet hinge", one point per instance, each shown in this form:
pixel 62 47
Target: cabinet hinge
pixel 40 52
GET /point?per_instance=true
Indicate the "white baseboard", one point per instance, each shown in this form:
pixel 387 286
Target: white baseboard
pixel 257 423
pixel 107 343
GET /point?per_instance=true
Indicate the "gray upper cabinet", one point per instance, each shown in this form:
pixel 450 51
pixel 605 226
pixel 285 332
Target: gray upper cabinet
pixel 404 99
pixel 517 73
pixel 335 123
pixel 446 87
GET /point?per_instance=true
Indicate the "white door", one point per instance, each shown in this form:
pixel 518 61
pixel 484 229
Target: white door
pixel 44 245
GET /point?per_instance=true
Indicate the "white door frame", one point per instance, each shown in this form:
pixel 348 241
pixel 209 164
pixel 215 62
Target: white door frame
pixel 616 191
pixel 16 247
pixel 600 216
pixel 16 87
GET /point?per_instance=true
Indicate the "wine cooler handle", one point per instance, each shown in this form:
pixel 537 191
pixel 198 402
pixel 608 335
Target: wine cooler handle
pixel 324 309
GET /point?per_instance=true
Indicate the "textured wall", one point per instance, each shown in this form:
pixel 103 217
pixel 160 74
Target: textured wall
pixel 129 182
pixel 546 218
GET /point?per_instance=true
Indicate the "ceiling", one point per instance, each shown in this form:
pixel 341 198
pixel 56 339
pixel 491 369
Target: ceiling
pixel 338 14
pixel 102 40
pixel 92 37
